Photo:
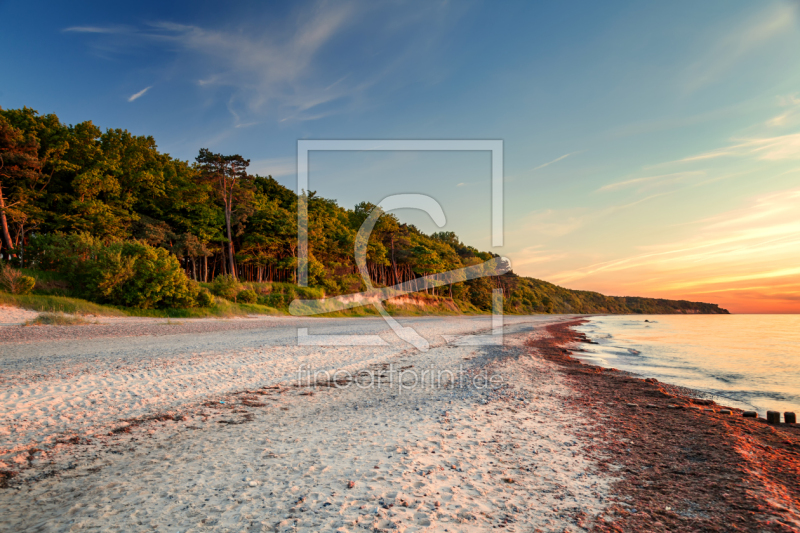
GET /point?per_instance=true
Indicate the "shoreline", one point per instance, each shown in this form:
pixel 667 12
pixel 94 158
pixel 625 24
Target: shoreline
pixel 682 468
pixel 554 448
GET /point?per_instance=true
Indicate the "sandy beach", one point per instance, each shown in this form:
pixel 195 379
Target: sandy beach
pixel 209 431
pixel 229 425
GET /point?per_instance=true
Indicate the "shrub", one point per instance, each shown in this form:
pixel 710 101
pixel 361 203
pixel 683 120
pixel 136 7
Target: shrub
pixel 272 300
pixel 125 273
pixel 247 296
pixel 56 319
pixel 225 286
pixel 205 299
pixel 14 281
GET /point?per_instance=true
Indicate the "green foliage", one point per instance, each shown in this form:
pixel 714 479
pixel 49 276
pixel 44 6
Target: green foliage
pixel 125 273
pixel 58 304
pixel 247 296
pixel 14 281
pixel 205 299
pixel 26 284
pixel 225 286
pixel 140 222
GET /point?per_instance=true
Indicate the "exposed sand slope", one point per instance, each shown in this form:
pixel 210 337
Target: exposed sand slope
pixel 12 316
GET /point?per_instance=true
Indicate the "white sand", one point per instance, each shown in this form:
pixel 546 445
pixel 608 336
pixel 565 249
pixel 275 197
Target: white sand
pixel 12 316
pixel 449 456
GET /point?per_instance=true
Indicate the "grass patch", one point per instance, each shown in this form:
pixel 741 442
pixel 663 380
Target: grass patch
pixel 56 319
pixel 222 309
pixel 45 303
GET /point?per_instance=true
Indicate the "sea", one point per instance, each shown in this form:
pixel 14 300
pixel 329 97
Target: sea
pixel 747 361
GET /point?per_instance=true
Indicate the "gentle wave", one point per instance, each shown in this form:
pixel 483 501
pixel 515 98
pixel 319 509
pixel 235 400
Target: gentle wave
pixel 751 360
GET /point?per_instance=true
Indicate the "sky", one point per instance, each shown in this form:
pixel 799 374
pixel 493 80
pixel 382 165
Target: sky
pixel 649 149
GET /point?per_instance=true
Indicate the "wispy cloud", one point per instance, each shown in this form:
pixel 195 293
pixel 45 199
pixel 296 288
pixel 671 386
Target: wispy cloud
pixel 788 117
pixel 757 242
pixel 98 29
pixel 533 255
pixel 283 68
pixel 138 95
pixel 736 44
pixel 650 181
pixel 556 160
pixel 782 147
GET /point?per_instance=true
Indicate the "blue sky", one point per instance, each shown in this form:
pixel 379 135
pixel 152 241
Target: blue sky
pixel 650 148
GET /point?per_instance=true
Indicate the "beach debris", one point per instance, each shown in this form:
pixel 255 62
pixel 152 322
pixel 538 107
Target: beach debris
pixel 351 484
pixel 750 414
pixel 698 401
pixel 789 417
pixel 774 417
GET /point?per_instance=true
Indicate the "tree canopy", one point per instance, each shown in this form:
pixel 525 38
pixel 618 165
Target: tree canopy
pixel 215 218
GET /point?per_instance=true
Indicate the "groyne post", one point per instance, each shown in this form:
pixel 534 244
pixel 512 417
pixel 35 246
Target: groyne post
pixel 774 417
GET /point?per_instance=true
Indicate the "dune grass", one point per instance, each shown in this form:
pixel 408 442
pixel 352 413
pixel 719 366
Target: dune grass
pixel 45 303
pixel 57 319
pixel 58 304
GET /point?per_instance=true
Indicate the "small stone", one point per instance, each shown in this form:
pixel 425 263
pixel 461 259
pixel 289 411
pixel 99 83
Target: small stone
pixel 632 405
pixel 254 483
pixel 652 406
pixel 351 484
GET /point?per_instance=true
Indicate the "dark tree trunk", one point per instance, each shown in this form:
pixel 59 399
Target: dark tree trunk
pixel 231 264
pixel 5 236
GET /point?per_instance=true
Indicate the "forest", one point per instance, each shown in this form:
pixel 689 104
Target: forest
pixel 106 216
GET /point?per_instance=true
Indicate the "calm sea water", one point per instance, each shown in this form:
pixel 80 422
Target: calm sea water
pixel 751 360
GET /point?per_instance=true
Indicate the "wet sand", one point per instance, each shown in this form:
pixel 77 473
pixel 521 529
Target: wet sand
pixel 682 464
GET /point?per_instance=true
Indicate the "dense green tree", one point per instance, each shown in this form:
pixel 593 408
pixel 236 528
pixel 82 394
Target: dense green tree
pixel 128 212
pixel 228 175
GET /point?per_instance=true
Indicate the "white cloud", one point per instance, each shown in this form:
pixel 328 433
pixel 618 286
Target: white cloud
pixel 556 160
pixel 782 147
pixel 97 29
pixel 279 68
pixel 651 181
pixel 757 241
pixel 732 47
pixel 138 95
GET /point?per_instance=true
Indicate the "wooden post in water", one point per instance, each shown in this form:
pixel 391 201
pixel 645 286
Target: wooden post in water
pixel 774 417
pixel 789 417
